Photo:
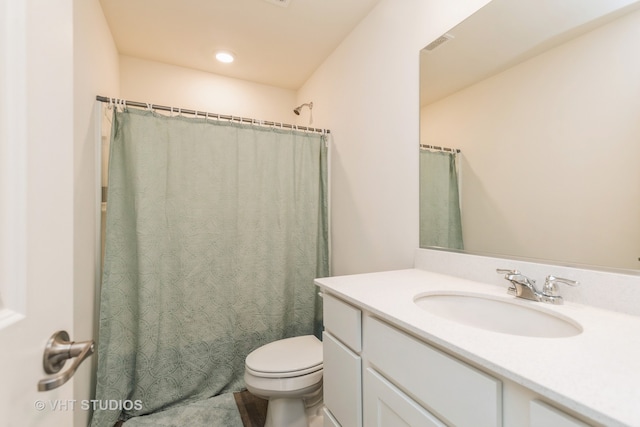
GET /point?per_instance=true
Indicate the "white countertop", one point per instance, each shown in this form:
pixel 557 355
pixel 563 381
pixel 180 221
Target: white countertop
pixel 596 373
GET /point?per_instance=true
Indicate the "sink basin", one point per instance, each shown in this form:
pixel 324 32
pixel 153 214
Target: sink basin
pixel 498 315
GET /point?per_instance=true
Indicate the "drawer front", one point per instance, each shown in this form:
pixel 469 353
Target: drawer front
pixel 343 321
pixel 543 415
pixel 342 382
pixel 455 392
pixel 387 406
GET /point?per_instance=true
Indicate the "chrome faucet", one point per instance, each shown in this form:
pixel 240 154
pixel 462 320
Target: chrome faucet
pixel 524 287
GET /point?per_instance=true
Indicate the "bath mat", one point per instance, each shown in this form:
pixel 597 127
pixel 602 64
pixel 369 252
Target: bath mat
pixel 218 411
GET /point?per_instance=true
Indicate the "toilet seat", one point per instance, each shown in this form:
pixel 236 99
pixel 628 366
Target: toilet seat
pixel 287 358
pixel 289 374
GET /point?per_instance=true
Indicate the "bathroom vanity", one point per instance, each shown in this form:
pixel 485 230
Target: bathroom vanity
pixel 390 360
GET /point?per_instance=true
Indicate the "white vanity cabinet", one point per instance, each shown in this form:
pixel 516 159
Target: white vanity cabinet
pixel 342 363
pixel 450 391
pixel 543 415
pixel 399 379
pixel 376 374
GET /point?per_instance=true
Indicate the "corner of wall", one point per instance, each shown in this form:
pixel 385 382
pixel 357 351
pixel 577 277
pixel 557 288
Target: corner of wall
pixel 95 73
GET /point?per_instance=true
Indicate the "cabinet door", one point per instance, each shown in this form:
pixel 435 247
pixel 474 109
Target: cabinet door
pixel 328 420
pixel 342 382
pixel 461 395
pixel 387 406
pixel 543 415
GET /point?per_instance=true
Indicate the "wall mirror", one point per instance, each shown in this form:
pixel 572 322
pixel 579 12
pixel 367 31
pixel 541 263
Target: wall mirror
pixel 542 98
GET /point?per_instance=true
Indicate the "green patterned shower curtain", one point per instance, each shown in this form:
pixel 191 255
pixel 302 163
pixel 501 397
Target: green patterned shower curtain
pixel 215 232
pixel 440 216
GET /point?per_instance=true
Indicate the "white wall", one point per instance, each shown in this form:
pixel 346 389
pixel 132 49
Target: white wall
pixel 95 72
pixel 550 152
pixel 163 84
pixel 366 92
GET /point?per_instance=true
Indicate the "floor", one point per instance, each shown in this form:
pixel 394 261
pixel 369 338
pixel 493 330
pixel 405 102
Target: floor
pixel 253 410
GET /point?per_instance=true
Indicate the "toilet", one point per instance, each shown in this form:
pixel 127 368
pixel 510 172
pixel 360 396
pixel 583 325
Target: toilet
pixel 288 373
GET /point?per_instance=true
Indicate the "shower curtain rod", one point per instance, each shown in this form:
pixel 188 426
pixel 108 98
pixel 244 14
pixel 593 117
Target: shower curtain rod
pixel 117 101
pixel 435 147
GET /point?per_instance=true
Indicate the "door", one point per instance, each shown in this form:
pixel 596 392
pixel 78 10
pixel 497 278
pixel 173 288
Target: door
pixel 387 406
pixel 36 205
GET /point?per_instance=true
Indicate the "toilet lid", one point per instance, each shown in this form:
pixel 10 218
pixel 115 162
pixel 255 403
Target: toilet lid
pixel 286 356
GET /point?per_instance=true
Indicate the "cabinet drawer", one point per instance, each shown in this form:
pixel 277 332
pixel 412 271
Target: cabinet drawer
pixel 387 406
pixel 342 382
pixel 543 415
pixel 343 321
pixel 455 392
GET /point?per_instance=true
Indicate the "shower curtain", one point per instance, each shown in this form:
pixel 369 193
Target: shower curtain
pixel 215 232
pixel 440 217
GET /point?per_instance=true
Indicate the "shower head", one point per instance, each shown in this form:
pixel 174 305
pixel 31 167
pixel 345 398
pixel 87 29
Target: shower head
pixel 299 108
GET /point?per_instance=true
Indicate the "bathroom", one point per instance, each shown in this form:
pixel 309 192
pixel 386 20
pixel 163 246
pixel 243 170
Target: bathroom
pixel 366 92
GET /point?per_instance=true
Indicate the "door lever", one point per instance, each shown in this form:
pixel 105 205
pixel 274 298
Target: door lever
pixel 56 353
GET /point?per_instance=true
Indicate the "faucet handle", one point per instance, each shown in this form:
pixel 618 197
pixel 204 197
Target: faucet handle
pixel 550 287
pixel 515 275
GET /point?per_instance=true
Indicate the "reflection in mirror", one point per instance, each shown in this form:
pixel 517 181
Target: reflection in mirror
pixel 440 219
pixel 542 98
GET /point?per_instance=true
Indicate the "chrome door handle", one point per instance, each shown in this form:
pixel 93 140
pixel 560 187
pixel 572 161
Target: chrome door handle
pixel 56 353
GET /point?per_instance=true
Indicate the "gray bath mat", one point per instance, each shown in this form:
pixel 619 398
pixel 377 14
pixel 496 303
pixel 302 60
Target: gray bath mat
pixel 218 411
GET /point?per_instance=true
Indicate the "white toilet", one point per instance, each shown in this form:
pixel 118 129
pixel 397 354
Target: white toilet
pixel 288 373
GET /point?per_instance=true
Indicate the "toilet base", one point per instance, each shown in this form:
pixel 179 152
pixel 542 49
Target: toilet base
pixel 283 411
pixel 296 411
pixel 315 415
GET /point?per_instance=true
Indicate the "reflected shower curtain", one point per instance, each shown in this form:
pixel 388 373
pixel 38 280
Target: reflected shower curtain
pixel 440 218
pixel 215 232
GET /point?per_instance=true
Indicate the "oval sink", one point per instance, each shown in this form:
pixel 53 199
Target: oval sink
pixel 498 315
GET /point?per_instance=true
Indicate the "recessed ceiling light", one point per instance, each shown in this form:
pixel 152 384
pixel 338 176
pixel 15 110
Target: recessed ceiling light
pixel 225 56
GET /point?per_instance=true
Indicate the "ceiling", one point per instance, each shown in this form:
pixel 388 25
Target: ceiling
pixel 276 42
pixel 490 42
